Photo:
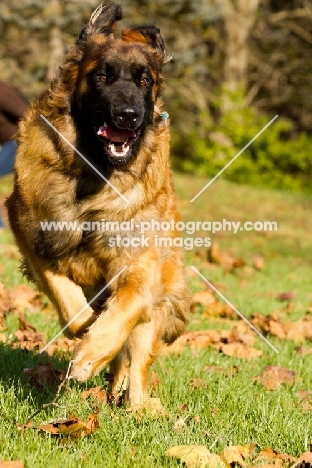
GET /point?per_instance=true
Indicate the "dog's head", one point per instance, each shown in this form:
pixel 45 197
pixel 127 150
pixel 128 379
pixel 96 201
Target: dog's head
pixel 110 85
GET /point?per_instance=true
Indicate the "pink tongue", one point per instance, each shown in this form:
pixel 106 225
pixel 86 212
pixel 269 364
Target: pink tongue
pixel 115 134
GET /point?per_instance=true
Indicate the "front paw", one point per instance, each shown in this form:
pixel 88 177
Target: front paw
pixel 86 362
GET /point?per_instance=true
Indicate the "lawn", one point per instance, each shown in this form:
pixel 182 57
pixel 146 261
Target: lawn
pixel 210 394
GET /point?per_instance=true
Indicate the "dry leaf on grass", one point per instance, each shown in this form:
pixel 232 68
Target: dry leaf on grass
pixel 204 298
pixel 43 375
pixel 304 351
pixel 97 393
pixel 29 340
pixel 218 309
pixel 240 350
pixel 240 337
pixel 196 456
pixel 259 262
pixel 24 297
pixel 194 339
pixel 62 346
pixel 296 331
pixel 5 302
pixel 197 382
pixel 179 425
pixel 27 336
pixel 272 377
pixel 305 458
pixel 11 464
pixel 285 296
pixel 22 427
pixel 305 397
pixel 92 424
pixel 150 408
pixel 242 333
pixel 73 427
pixel 271 457
pixel 225 259
pixel 237 455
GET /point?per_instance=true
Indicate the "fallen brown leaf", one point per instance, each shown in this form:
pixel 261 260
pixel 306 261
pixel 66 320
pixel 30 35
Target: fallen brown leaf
pixel 304 351
pixel 272 377
pixel 296 331
pixel 306 457
pixel 179 425
pixel 306 398
pixel 27 336
pixel 197 382
pixel 218 309
pixel 225 259
pixel 237 455
pixel 92 424
pixel 285 296
pixel 271 457
pixel 72 427
pixel 11 464
pixel 242 333
pixel 98 393
pixel 194 339
pixel 259 262
pixel 23 427
pixel 203 298
pixel 196 456
pixel 28 340
pixel 5 303
pixel 62 345
pixel 43 375
pixel 3 337
pixel 25 297
pixel 240 350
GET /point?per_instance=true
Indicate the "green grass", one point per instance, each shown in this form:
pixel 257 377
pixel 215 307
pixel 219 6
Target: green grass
pixel 232 410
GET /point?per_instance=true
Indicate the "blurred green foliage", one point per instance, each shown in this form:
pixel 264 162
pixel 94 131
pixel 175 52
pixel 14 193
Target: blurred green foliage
pixel 274 159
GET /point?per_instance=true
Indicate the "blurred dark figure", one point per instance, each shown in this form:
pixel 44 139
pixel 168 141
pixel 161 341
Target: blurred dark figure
pixel 12 107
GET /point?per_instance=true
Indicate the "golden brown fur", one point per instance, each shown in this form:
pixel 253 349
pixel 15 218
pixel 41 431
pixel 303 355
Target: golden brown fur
pixel 147 305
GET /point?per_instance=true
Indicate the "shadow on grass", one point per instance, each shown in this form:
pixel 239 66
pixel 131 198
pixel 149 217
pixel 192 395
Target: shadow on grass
pixel 12 363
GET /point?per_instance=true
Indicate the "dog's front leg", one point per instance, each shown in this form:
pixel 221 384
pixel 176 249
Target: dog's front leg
pixel 130 305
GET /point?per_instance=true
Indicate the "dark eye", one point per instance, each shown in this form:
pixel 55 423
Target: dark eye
pixel 144 81
pixel 102 77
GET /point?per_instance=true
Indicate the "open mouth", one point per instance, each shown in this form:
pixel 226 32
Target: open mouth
pixel 118 142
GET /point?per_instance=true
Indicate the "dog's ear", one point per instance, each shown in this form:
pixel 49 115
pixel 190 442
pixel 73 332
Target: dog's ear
pixel 103 21
pixel 149 35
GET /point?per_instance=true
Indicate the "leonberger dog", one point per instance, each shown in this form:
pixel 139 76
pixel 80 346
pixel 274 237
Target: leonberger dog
pixel 94 148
